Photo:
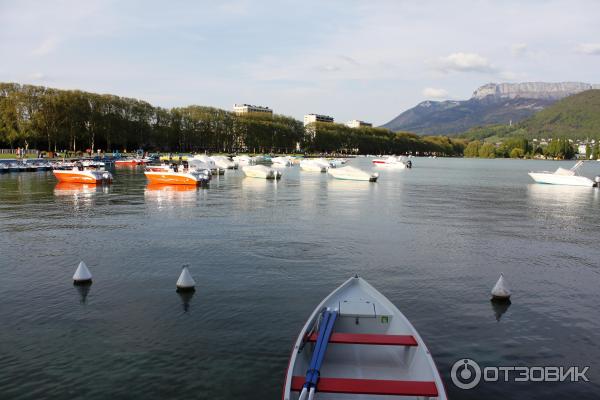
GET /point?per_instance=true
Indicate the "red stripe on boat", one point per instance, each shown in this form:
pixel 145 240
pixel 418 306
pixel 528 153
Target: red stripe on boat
pixel 353 338
pixel 370 386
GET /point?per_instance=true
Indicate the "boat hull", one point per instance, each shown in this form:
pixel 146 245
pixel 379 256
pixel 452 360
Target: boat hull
pixel 375 344
pixel 90 177
pixel 173 178
pixel 261 172
pixel 555 179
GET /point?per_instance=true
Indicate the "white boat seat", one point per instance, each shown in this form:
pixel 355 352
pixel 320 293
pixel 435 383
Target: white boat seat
pixel 357 308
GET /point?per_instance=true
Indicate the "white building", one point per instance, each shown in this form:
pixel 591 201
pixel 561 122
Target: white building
pixel 310 118
pixel 251 109
pixel 355 123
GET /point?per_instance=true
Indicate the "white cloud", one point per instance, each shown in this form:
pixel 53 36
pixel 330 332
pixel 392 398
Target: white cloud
pixel 47 46
pixel 465 62
pixel 518 49
pixel 434 93
pixel 589 48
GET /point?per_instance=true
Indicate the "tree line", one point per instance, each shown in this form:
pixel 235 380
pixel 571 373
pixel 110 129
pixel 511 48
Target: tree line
pixel 50 119
pixel 519 147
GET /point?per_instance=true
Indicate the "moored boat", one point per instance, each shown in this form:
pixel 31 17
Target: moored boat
pixel 244 159
pixel 352 174
pixel 564 176
pixel 176 175
pixel 314 165
pixel 224 162
pixel 392 162
pixel 129 162
pixel 281 161
pixel 80 174
pixel 261 171
pixel 356 344
pixel 202 161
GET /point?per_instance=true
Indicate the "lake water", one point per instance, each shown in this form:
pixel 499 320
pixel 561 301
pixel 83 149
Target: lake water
pixel 433 239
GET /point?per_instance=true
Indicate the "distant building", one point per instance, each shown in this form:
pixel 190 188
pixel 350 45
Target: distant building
pixel 251 109
pixel 357 124
pixel 310 118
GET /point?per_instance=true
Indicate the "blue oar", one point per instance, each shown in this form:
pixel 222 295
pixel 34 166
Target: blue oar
pixel 315 355
pixel 321 355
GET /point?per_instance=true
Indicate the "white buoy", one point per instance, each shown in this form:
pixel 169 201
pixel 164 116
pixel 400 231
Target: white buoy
pixel 185 283
pixel 82 275
pixel 501 291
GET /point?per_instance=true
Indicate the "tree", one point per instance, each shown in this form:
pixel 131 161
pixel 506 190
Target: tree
pixel 472 149
pixel 488 150
pixel 517 152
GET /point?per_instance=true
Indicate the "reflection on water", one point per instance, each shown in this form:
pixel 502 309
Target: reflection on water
pixel 259 184
pixel 500 307
pixel 79 189
pixel 83 291
pixel 186 298
pixel 161 195
pixel 551 196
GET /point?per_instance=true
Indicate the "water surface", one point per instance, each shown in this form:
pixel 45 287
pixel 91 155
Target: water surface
pixel 432 239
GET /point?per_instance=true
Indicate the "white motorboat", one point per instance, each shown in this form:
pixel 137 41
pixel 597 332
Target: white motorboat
pixel 224 162
pixel 202 161
pixel 243 160
pixel 352 174
pixel 281 161
pixel 564 176
pixel 357 345
pixel 337 162
pixel 392 162
pixel 261 171
pixel 316 165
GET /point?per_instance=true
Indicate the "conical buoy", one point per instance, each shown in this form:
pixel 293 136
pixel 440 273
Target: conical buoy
pixel 500 291
pixel 82 275
pixel 185 283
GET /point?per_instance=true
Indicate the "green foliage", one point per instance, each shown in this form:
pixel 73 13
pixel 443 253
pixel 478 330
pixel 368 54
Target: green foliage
pixel 517 153
pixel 472 149
pixel 560 148
pixel 487 150
pixel 596 152
pixel 588 151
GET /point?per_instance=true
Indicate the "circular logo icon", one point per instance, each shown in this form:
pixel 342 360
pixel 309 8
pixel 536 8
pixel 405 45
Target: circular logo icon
pixel 466 373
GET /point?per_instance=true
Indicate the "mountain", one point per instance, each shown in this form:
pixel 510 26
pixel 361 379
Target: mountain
pixel 574 117
pixel 493 103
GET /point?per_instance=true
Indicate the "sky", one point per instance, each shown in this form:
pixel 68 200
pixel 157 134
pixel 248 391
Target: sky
pixel 367 60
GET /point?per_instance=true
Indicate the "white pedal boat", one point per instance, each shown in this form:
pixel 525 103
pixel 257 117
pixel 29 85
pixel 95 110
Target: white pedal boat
pixel 352 174
pixel 373 351
pixel 564 176
pixel 261 171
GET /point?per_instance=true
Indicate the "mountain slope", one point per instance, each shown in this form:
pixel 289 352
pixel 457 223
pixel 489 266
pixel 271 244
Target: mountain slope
pixel 490 104
pixel 576 116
